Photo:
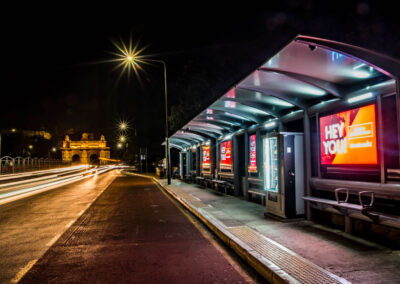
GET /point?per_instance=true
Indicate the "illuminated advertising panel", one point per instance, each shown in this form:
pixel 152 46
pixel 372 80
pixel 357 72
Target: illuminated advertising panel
pixel 226 154
pixel 205 157
pixel 252 154
pixel 349 137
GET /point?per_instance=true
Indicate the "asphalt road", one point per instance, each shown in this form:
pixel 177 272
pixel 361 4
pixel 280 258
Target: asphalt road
pixel 29 226
pixel 134 233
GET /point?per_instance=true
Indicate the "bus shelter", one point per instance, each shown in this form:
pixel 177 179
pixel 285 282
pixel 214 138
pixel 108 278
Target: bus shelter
pixel 315 126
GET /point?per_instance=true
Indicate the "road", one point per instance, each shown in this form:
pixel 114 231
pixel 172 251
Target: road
pixel 30 225
pixel 132 233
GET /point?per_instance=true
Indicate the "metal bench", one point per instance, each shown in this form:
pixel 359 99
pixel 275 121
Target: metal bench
pixel 203 181
pixel 254 191
pixel 189 178
pixel 200 180
pixel 222 184
pixel 364 211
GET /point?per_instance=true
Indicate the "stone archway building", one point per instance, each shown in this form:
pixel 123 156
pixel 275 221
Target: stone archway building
pixel 85 148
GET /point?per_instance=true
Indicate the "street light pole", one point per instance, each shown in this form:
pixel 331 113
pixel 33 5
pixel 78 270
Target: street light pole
pixel 167 156
pixel 129 58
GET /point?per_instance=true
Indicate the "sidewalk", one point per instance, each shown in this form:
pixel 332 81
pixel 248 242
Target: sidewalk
pixel 295 252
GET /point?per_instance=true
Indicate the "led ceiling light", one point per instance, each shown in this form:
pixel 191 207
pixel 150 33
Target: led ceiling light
pixel 360 97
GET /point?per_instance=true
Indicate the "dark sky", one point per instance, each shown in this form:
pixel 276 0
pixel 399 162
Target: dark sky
pixel 52 80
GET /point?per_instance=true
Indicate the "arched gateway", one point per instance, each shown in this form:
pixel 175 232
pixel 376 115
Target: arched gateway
pixel 85 151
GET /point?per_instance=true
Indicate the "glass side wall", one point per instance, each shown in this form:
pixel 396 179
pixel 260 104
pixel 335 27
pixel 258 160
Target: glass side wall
pixel 271 164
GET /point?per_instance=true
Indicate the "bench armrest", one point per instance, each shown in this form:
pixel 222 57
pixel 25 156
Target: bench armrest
pixel 339 190
pixel 366 193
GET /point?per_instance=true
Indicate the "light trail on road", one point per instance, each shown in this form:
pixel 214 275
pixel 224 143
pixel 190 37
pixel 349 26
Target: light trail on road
pixel 26 188
pixel 40 172
pixel 33 179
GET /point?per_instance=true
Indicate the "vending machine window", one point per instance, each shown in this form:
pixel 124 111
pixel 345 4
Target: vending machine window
pixel 271 164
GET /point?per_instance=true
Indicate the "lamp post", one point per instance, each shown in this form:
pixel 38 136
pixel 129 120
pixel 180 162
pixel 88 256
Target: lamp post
pixel 167 156
pixel 129 57
pixel 131 60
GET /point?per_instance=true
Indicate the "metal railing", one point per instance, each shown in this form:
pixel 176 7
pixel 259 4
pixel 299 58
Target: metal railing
pixel 19 164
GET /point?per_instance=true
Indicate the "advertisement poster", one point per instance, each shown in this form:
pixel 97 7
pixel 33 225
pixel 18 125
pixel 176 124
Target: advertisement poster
pixel 252 154
pixel 349 137
pixel 226 152
pixel 206 155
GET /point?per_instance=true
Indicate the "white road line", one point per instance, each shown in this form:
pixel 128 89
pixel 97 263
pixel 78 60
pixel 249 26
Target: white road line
pixel 23 271
pixel 53 240
pixel 69 224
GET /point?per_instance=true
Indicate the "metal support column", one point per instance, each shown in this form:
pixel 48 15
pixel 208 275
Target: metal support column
pixel 181 165
pixel 246 164
pixel 318 146
pixel 217 156
pixel 212 157
pixel 398 113
pixel 198 161
pixel 381 148
pixel 236 161
pixel 188 161
pixel 307 161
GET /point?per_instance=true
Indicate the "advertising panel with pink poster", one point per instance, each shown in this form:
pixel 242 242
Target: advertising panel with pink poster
pixel 252 154
pixel 226 155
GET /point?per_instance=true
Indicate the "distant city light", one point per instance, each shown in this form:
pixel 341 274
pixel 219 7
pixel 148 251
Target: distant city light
pixel 54 149
pixel 122 138
pixel 30 147
pixel 13 130
pixel 123 125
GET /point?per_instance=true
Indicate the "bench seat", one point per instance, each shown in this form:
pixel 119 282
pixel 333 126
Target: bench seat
pixel 253 191
pixel 350 210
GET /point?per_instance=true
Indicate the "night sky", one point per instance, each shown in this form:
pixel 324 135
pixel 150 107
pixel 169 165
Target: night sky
pixel 54 78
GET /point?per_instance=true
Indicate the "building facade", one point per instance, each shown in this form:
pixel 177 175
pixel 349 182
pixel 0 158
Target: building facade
pixel 85 151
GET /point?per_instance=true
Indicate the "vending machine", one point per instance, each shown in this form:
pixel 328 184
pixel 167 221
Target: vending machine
pixel 283 170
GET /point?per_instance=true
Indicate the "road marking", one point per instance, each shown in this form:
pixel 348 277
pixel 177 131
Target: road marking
pixel 81 212
pixel 53 240
pixel 23 271
pixel 69 224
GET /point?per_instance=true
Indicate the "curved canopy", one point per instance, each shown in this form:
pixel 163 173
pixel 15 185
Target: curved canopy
pixel 305 73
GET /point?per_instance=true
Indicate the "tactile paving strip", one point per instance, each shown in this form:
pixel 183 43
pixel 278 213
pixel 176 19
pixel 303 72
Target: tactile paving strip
pixel 295 266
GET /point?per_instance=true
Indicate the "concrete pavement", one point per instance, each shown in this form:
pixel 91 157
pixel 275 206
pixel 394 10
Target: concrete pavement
pixel 296 252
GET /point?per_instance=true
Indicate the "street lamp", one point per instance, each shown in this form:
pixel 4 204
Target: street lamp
pixel 122 138
pixel 123 126
pixel 130 58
